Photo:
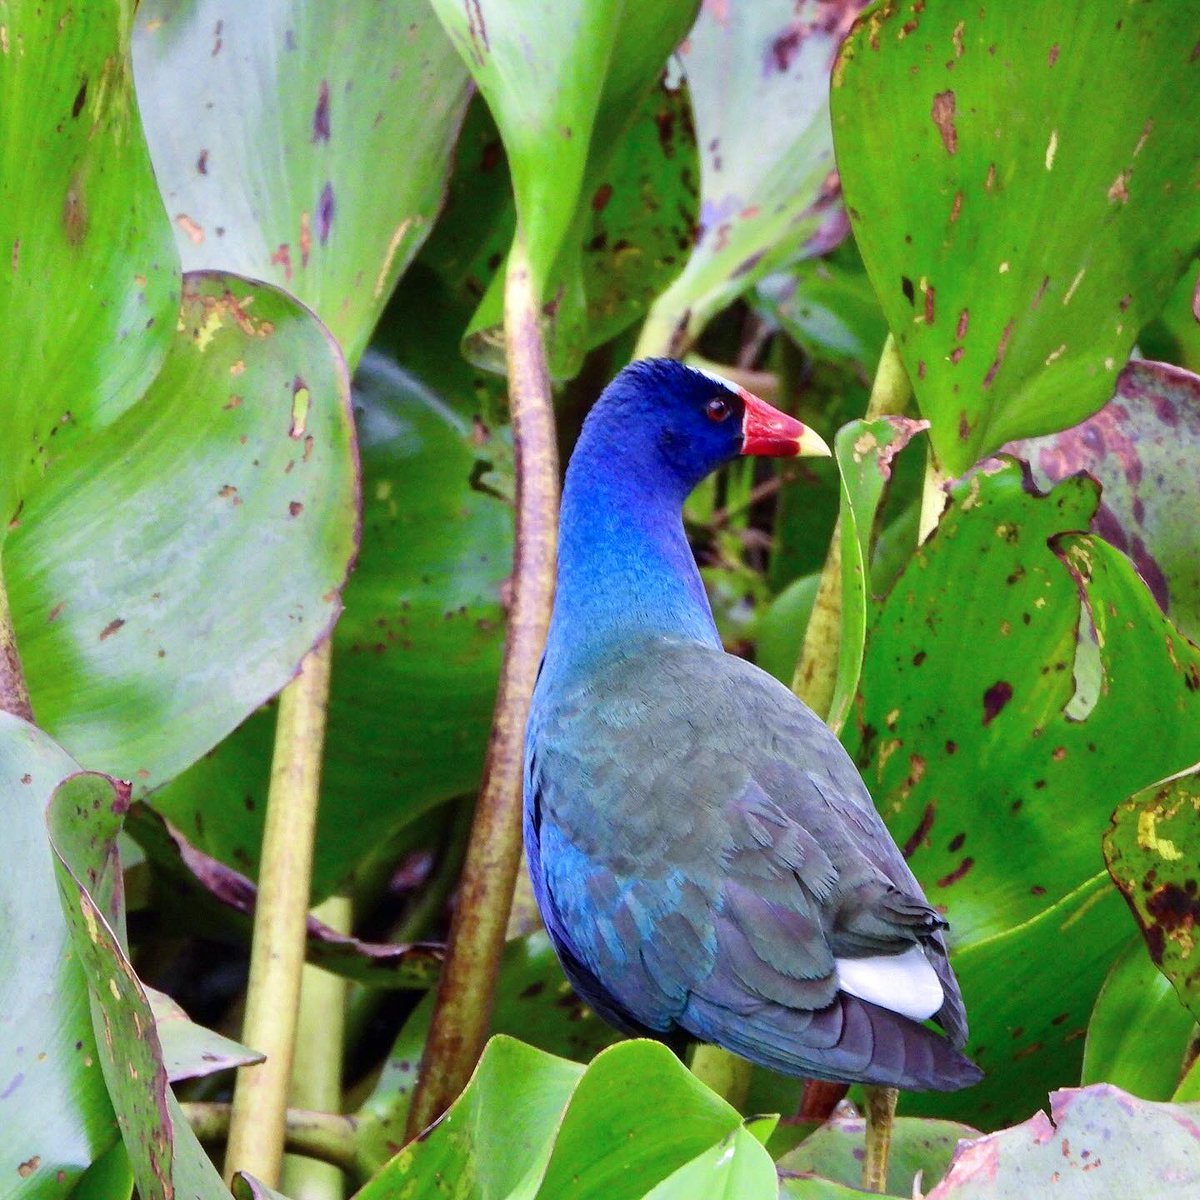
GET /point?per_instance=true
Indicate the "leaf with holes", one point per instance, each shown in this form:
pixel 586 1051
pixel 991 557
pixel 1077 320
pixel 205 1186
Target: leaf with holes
pixel 90 279
pixel 169 575
pixel 310 146
pixel 1153 853
pixel 1021 181
pixel 1142 446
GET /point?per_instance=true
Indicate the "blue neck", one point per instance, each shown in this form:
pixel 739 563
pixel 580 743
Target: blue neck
pixel 625 570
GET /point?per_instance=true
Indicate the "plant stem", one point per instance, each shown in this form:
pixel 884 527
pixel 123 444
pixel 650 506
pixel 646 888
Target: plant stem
pixel 816 671
pixel 317 1063
pixel 464 1000
pixel 881 1108
pixel 327 1137
pixel 256 1132
pixel 14 695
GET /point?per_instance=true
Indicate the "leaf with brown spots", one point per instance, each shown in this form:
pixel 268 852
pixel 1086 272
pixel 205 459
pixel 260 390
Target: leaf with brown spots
pixel 1037 163
pixel 1019 808
pixel 1153 855
pixel 1143 447
pixel 84 817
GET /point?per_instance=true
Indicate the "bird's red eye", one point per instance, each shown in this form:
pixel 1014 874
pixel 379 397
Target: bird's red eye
pixel 717 409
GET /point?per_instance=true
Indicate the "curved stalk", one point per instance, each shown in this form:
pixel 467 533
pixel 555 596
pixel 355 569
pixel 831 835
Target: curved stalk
pixel 933 498
pixel 464 1000
pixel 257 1124
pixel 327 1137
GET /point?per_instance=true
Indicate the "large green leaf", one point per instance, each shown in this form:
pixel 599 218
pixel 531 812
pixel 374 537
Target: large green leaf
pixel 1153 853
pixel 302 142
pixel 736 1168
pixel 1142 446
pixel 1097 1142
pixel 90 278
pixel 416 653
pixel 168 576
pixel 1139 1030
pixel 564 82
pixel 84 817
pixel 758 72
pixel 1021 180
pixel 55 1115
pixel 975 756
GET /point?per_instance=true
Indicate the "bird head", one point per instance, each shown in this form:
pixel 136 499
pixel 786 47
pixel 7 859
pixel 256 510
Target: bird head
pixel 697 420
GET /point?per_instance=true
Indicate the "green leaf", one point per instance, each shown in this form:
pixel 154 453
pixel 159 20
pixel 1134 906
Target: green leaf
pixel 90 279
pixel 271 156
pixel 55 1116
pixel 189 1051
pixel 416 652
pixel 496 1136
pixel 1153 849
pixel 971 746
pixel 736 1168
pixel 1142 447
pixel 1139 1029
pixel 564 82
pixel 758 73
pixel 110 1177
pixel 1022 185
pixel 84 817
pixel 1174 335
pixel 1097 1141
pixel 864 450
pixel 146 638
pixel 920 1152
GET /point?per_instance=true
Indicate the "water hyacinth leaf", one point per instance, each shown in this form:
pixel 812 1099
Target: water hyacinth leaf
pixel 534 1003
pixel 84 816
pixel 920 1148
pixel 1003 668
pixel 1029 1007
pixel 146 640
pixel 416 652
pixel 1153 852
pixel 498 1133
pixel 1139 1029
pixel 1142 447
pixel 1095 1142
pixel 864 450
pixel 1052 149
pixel 55 1115
pixel 189 1051
pixel 90 279
pixel 212 900
pixel 310 146
pixel 736 1168
pixel 758 73
pixel 563 82
pixel 1174 335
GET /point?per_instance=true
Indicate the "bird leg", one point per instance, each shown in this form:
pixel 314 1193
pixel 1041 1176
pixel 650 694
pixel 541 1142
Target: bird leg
pixel 881 1108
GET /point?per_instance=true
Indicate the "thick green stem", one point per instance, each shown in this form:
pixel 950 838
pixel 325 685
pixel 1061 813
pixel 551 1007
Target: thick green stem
pixel 726 1073
pixel 316 1082
pixel 881 1108
pixel 816 671
pixel 14 695
pixel 327 1137
pixel 464 1001
pixel 256 1133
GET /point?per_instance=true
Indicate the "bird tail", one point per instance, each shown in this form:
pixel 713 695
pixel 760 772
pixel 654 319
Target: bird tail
pixel 850 1041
